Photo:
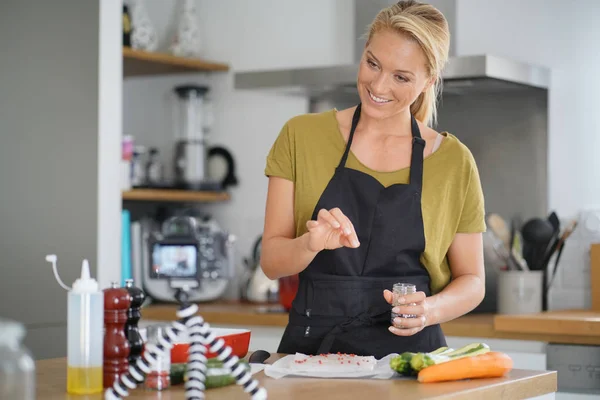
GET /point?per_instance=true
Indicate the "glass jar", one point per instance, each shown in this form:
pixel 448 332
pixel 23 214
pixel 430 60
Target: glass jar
pixel 159 377
pixel 17 367
pixel 399 290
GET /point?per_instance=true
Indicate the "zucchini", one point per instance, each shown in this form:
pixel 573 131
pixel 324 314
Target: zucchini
pixel 424 360
pixel 178 373
pixel 216 374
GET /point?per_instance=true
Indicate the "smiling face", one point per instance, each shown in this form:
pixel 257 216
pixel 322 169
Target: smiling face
pixel 392 74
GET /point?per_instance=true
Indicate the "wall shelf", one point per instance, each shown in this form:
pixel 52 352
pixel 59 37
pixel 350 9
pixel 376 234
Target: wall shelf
pixel 171 195
pixel 143 63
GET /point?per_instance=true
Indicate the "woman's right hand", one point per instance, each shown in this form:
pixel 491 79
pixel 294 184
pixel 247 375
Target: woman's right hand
pixel 331 230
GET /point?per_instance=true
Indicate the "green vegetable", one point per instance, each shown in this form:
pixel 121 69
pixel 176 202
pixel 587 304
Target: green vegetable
pixel 216 374
pixel 442 350
pixel 178 373
pixel 402 363
pixel 423 360
pixel 409 364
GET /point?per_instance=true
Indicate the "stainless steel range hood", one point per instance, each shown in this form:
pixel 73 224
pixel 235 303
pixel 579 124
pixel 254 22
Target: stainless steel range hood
pixel 462 75
pixel 481 73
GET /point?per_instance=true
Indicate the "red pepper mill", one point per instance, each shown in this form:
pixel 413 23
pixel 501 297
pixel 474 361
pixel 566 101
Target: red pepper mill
pixel 116 346
pixel 132 332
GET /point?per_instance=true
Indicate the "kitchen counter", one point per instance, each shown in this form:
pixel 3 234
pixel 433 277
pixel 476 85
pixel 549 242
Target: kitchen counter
pixel 569 327
pixel 518 384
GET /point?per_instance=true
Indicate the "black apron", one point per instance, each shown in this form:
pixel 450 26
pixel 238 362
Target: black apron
pixel 339 306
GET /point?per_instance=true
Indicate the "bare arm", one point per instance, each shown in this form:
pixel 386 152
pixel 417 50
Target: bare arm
pixel 281 253
pixel 467 288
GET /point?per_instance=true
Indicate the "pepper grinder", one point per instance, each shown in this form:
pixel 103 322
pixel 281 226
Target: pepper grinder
pixel 136 344
pixel 116 346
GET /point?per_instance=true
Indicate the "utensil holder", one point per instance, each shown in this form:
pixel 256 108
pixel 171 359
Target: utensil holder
pixel 520 292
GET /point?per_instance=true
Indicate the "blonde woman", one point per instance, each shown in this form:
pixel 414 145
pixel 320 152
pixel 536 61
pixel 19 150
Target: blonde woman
pixel 362 198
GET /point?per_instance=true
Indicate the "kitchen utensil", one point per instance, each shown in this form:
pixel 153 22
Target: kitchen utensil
pixel 560 246
pixel 553 247
pixel 555 222
pixel 500 228
pixel 536 233
pixel 515 226
pixel 516 252
pixel 193 123
pixel 259 356
pixel 520 292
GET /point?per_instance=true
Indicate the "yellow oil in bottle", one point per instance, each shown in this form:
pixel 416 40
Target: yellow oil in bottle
pixel 84 380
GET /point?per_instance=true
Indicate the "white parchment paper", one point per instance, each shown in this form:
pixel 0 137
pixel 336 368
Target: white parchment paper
pixel 285 367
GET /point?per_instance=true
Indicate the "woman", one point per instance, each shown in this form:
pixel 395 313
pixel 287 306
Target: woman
pixel 362 198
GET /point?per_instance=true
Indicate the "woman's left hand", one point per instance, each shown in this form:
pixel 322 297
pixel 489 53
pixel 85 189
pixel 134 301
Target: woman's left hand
pixel 411 304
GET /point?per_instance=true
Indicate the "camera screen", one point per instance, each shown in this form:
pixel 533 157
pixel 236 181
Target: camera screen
pixel 173 261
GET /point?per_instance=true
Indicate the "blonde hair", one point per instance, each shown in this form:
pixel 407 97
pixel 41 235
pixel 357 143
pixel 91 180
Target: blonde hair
pixel 428 26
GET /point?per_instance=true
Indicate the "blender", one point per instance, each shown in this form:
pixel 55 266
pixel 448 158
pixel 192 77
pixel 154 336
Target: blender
pixel 192 152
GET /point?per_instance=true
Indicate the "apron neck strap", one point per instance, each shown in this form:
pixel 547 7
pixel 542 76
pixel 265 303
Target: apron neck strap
pixel 416 158
pixel 355 119
pixel 418 146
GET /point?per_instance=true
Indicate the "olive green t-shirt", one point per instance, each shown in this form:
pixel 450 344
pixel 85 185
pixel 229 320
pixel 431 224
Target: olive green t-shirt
pixel 310 146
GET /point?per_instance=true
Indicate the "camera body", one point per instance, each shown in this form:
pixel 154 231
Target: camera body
pixel 191 253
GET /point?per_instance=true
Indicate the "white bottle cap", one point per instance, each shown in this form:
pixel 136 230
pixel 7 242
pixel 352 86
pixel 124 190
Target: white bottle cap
pixel 85 284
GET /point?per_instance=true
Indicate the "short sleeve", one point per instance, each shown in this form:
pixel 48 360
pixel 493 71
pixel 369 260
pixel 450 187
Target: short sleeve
pixel 472 219
pixel 281 157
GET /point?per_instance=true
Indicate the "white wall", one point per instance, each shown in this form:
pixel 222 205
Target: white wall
pixel 110 78
pixel 51 85
pixel 247 35
pixel 565 38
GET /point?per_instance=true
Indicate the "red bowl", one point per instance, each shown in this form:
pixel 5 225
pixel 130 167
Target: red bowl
pixel 237 339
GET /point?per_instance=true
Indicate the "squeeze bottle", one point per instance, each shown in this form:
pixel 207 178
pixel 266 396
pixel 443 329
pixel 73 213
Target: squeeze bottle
pixel 85 332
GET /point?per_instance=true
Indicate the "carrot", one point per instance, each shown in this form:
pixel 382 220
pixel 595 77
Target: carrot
pixel 489 365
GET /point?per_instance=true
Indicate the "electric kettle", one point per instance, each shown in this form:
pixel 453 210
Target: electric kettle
pixel 259 288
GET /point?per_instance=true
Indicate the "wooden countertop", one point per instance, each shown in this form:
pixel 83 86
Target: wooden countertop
pixel 518 384
pixel 570 327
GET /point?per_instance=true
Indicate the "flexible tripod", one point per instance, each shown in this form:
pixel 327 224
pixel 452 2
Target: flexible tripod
pixel 201 338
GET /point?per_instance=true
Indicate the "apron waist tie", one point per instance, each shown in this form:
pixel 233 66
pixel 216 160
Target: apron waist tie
pixel 363 319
